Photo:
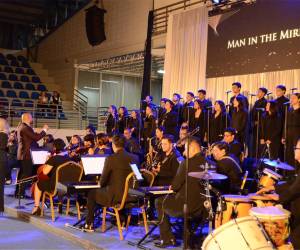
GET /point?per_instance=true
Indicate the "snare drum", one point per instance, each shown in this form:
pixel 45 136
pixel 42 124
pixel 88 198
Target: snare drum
pixel 261 200
pixel 238 234
pixel 236 206
pixel 269 178
pixel 275 221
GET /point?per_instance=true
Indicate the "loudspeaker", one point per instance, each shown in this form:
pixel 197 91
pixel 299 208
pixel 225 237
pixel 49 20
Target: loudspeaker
pixel 94 23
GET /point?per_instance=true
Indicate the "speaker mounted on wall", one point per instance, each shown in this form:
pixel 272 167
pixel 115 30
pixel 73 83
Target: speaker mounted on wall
pixel 94 23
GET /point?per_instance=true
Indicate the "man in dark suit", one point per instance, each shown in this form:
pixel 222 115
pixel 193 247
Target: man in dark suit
pixel 235 148
pixel 236 90
pixel 27 139
pixel 204 103
pixel 187 108
pixel 112 181
pixel 172 205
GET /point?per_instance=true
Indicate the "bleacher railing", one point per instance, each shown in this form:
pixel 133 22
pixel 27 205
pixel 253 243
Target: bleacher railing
pixel 80 101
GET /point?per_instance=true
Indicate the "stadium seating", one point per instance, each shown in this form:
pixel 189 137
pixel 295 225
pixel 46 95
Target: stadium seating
pixel 35 95
pixel 35 79
pixel 18 85
pixel 24 78
pixel 30 72
pixel 6 85
pixel 12 77
pixel 16 103
pixel 11 94
pixel 8 69
pixel 28 104
pixel 41 87
pixel 3 76
pixel 23 94
pixel 19 71
pixel 29 86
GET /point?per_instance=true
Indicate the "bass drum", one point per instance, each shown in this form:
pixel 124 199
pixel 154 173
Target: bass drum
pixel 239 234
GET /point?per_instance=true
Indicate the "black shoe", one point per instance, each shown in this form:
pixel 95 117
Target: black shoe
pixel 88 228
pixel 37 212
pixel 165 244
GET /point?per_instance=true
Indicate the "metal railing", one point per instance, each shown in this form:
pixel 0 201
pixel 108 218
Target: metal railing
pixel 80 101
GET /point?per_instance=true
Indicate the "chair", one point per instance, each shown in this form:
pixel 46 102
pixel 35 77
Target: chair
pixel 11 57
pixel 30 72
pixel 8 69
pixel 25 64
pixel 12 77
pixel 16 103
pixel 124 204
pixel 28 104
pixel 35 79
pixel 67 172
pixel 35 95
pixel 29 86
pixel 3 101
pixel 3 76
pixel 2 56
pixel 23 94
pixel 18 85
pixel 3 62
pixel 1 93
pixel 24 79
pixel 19 70
pixel 22 58
pixel 41 87
pixel 6 85
pixel 14 63
pixel 11 94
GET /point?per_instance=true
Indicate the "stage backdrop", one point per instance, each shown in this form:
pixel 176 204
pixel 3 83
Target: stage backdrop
pixel 186 49
pixel 258 45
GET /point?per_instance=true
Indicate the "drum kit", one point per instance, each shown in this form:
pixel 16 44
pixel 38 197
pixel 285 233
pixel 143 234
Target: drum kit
pixel 247 221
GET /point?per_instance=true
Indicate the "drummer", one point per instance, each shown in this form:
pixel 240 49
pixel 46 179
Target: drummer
pixel 228 165
pixel 289 196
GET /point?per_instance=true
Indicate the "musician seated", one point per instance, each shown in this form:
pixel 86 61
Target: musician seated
pixel 172 204
pixel 235 147
pixel 90 130
pixel 289 196
pixel 102 147
pixel 156 144
pixel 88 145
pixel 183 132
pixel 49 169
pixel 167 168
pixel 75 144
pixel 131 144
pixel 112 181
pixel 227 165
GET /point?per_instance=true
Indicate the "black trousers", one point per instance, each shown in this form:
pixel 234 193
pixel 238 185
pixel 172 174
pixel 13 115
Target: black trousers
pixel 96 196
pixel 3 166
pixel 25 171
pixel 11 164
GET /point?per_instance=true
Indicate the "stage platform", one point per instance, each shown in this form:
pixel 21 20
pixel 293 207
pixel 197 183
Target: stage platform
pixel 70 238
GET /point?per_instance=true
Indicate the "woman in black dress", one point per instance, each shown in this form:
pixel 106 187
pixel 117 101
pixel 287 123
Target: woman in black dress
pixel 239 119
pixel 169 120
pixel 217 123
pixel 149 126
pixel 135 123
pixel 111 122
pixel 4 129
pixel 271 124
pixel 198 119
pixel 292 128
pixel 122 120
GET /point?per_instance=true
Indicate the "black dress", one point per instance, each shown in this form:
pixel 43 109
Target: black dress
pixel 239 122
pixel 187 112
pixel 110 124
pixel 134 124
pixel 3 166
pixel 122 123
pixel 169 122
pixel 217 126
pixel 200 122
pixel 271 130
pixel 149 127
pixel 245 103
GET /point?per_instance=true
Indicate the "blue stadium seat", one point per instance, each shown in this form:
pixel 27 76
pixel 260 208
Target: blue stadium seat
pixel 3 76
pixel 11 93
pixel 14 63
pixel 35 95
pixel 41 87
pixel 3 101
pixel 23 94
pixel 25 64
pixel 2 56
pixel 1 93
pixel 29 86
pixel 11 57
pixel 19 71
pixel 3 61
pixel 13 77
pixel 6 85
pixel 35 79
pixel 21 58
pixel 28 104
pixel 30 72
pixel 18 85
pixel 16 103
pixel 25 79
pixel 8 69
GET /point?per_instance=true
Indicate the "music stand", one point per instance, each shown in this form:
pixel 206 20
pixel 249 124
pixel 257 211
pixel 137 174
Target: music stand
pixel 94 164
pixel 136 172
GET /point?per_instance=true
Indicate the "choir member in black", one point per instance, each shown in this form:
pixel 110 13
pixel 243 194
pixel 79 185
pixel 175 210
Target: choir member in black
pixel 187 108
pixel 205 103
pixel 112 118
pixel 258 107
pixel 131 144
pixel 217 123
pixel 235 147
pixel 149 127
pixel 239 119
pixel 169 121
pixel 236 89
pixel 228 165
pixel 271 127
pixel 161 111
pixel 12 149
pixel 167 168
pixel 74 147
pixel 122 119
pixel 156 149
pixel 198 119
pixel 183 133
pixel 135 123
pixel 90 129
pixel 102 145
pixel 293 128
pixel 177 107
pixel 172 205
pixel 4 130
pixel 281 99
pixel 147 102
pixel 288 195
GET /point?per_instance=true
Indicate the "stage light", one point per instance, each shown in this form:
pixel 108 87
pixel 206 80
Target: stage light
pixel 216 1
pixel 160 71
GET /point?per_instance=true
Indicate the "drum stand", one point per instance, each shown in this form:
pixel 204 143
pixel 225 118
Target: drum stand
pixel 266 153
pixel 208 206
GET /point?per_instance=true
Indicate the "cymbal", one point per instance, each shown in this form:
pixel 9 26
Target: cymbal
pixel 209 175
pixel 277 164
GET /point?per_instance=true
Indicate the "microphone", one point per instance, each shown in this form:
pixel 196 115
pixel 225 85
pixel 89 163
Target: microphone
pixel 260 109
pixel 252 94
pixel 228 91
pixel 293 88
pixel 286 103
pixel 210 107
pixel 270 93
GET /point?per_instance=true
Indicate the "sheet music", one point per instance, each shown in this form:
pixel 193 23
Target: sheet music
pixel 93 165
pixel 39 157
pixel 137 172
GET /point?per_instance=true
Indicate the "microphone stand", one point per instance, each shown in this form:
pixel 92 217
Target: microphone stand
pixel 257 133
pixel 285 132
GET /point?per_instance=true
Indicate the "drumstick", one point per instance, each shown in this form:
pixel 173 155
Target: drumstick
pixel 244 180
